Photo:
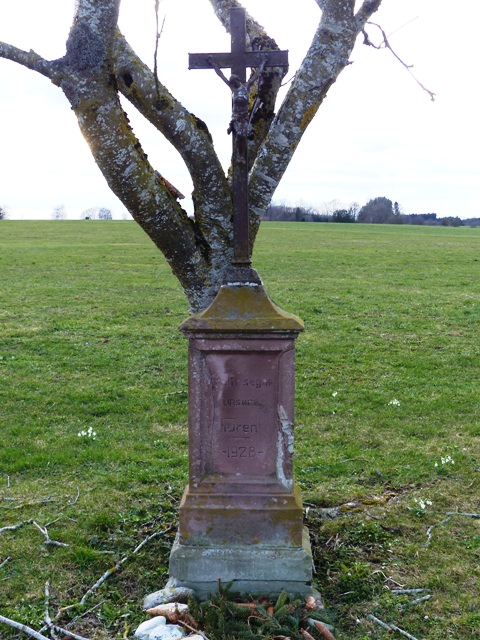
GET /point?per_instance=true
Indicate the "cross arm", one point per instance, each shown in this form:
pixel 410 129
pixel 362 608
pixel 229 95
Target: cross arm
pixel 225 60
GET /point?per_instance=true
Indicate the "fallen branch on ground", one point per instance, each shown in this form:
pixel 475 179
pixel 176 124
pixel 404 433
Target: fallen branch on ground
pixel 23 627
pixel 16 526
pixel 391 627
pixel 419 600
pixel 119 564
pixel 4 562
pixel 29 504
pixel 48 540
pixel 449 515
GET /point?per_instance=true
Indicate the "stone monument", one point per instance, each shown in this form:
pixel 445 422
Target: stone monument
pixel 241 516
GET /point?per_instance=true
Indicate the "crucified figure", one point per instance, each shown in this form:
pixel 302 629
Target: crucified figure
pixel 240 124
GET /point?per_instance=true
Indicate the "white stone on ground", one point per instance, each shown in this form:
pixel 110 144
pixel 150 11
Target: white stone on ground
pixel 169 594
pixel 144 629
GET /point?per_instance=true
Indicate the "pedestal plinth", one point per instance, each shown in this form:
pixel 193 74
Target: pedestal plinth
pixel 241 514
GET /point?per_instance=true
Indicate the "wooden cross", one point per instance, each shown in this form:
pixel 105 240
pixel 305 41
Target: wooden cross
pixel 238 60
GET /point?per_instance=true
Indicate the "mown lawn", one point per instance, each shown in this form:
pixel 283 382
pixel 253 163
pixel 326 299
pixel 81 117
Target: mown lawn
pixel 387 418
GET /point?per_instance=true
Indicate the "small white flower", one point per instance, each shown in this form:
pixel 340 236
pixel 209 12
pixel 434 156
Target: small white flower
pixel 394 403
pixel 334 394
pixel 446 460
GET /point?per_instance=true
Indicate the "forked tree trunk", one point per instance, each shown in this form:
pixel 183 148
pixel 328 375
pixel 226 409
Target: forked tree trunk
pixel 99 65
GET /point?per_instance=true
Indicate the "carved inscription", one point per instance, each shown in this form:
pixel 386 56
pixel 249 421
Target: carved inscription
pixel 244 423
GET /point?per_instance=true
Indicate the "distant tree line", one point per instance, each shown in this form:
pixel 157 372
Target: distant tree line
pixel 3 213
pixel 379 210
pixel 96 213
pixel 93 213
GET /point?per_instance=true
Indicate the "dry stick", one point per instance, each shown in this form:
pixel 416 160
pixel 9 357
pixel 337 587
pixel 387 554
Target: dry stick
pixel 447 519
pixel 379 622
pixel 72 502
pixel 419 600
pixel 400 591
pixel 430 529
pixel 387 45
pixel 190 628
pixel 70 634
pixel 23 627
pixel 46 617
pixel 15 526
pixel 119 564
pixel 48 540
pixel 85 613
pixel 391 627
pixel 404 633
pixel 4 562
pixel 30 504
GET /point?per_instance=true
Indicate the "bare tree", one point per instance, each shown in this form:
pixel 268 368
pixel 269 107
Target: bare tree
pixel 3 214
pixel 104 214
pixel 59 212
pixel 99 64
pixel 89 214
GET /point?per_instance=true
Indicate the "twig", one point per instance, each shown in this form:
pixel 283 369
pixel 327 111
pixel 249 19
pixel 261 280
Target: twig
pixel 387 45
pixel 461 513
pixel 419 600
pixel 72 502
pixel 190 628
pixel 48 540
pixel 70 634
pixel 81 615
pixel 16 526
pixel 391 627
pixel 379 622
pixel 119 564
pixel 4 562
pixel 23 627
pixel 404 633
pixel 157 38
pixel 430 529
pixel 8 482
pixel 30 504
pixel 400 591
pixel 46 617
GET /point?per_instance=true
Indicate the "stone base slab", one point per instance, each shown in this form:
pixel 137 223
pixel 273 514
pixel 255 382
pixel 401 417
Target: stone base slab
pixel 241 519
pixel 254 569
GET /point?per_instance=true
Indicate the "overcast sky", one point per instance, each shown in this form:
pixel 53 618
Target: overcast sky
pixel 377 133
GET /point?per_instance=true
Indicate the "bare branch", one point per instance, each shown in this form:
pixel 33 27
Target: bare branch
pixel 15 526
pixel 32 61
pixel 23 628
pixel 158 35
pixel 386 45
pixel 75 500
pixel 119 564
pixel 48 540
pixel 4 562
pixel 391 627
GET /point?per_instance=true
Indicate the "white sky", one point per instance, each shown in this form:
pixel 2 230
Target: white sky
pixel 377 133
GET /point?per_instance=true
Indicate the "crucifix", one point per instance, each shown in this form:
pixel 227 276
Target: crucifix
pixel 238 60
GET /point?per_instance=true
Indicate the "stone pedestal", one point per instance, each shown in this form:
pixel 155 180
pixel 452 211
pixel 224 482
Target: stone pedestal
pixel 241 514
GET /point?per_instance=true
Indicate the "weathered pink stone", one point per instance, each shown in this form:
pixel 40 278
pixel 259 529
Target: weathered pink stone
pixel 241 493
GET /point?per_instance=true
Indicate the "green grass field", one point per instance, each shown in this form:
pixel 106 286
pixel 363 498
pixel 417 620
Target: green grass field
pixel 387 419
